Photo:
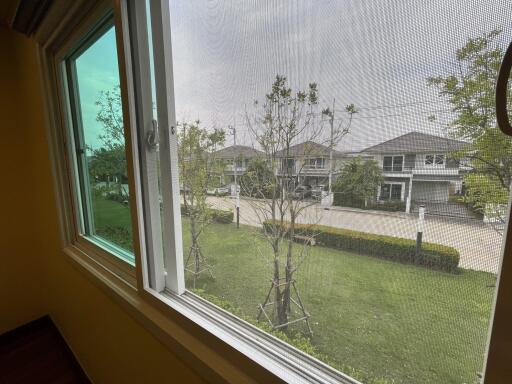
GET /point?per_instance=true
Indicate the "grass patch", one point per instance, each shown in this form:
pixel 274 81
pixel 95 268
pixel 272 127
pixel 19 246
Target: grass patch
pixel 401 322
pixel 404 323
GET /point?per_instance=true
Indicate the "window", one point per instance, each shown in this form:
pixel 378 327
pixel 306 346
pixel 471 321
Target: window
pixel 98 153
pixel 396 191
pixel 391 191
pixel 315 163
pixel 432 160
pixel 385 191
pixel 393 163
pixel 329 282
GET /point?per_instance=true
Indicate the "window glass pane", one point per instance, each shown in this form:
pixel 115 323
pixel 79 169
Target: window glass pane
pixel 388 163
pixel 396 191
pixel 366 83
pixel 385 191
pixel 99 136
pixel 397 163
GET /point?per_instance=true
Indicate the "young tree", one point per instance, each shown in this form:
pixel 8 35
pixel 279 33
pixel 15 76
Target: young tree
pixel 284 119
pixel 470 90
pixel 358 182
pixel 198 168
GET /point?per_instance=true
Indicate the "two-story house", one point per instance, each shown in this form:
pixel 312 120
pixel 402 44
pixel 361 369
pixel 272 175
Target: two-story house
pixel 417 168
pixel 309 163
pixel 236 158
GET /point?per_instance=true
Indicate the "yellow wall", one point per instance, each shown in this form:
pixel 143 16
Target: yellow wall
pixel 35 277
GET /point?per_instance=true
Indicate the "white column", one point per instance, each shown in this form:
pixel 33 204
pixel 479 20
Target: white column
pixel 408 202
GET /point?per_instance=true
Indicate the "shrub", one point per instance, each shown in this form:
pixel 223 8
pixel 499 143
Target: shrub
pixel 218 215
pixel 390 206
pixel 118 197
pixel 434 256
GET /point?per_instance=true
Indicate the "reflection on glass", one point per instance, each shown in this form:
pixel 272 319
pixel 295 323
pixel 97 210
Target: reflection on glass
pixel 105 185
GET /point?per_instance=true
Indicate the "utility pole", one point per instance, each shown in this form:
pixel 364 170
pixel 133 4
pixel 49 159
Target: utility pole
pixel 237 194
pixel 331 148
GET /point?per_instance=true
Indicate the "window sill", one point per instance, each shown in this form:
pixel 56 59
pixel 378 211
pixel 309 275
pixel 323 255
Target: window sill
pixel 219 346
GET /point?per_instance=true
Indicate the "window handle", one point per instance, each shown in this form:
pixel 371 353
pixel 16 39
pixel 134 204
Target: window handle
pixel 501 93
pixel 152 137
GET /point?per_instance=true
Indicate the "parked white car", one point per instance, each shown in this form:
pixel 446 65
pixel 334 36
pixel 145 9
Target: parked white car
pixel 219 191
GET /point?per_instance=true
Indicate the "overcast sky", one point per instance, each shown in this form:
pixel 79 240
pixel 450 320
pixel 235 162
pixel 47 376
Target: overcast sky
pixel 375 54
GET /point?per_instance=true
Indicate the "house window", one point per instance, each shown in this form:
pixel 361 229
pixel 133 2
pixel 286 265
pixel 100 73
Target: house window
pixel 389 191
pixel 393 163
pixel 288 164
pixel 315 163
pixel 434 160
pixel 97 133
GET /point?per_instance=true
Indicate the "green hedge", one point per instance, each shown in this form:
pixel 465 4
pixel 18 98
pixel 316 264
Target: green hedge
pixel 218 215
pixel 434 256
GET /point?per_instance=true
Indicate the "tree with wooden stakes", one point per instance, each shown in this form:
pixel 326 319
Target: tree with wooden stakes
pixel 284 119
pixel 198 170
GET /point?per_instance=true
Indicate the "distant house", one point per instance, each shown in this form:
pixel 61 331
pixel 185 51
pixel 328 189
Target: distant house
pixel 308 163
pixel 236 159
pixel 417 169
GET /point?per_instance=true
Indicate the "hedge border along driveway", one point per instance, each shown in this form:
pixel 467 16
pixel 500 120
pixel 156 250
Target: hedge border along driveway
pixel 434 256
pixel 479 245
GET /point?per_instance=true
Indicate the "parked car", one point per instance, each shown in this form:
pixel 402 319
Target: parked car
pixel 302 192
pixel 219 191
pixel 316 191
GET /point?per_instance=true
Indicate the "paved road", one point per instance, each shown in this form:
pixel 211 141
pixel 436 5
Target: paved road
pixel 478 244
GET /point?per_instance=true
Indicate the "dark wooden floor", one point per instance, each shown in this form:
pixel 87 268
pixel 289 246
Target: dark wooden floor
pixel 36 353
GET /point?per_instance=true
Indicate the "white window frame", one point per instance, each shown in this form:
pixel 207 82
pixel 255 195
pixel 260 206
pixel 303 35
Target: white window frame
pixel 391 183
pixel 101 251
pixel 393 162
pixel 434 159
pixel 278 357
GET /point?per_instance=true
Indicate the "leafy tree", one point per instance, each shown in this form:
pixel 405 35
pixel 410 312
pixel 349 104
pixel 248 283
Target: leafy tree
pixel 358 182
pixel 470 90
pixel 257 180
pixel 108 162
pixel 198 167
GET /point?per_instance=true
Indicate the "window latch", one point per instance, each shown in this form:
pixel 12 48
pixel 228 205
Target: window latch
pixel 152 137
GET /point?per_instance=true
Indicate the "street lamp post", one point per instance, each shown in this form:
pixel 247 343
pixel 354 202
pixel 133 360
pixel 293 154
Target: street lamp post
pixel 237 193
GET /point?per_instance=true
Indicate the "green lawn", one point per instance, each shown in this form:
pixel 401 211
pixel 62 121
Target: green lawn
pixel 388 320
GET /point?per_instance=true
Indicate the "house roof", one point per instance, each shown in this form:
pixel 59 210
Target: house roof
pixel 416 142
pixel 308 148
pixel 237 151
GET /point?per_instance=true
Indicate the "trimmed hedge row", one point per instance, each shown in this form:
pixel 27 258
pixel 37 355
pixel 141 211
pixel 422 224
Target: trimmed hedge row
pixel 434 256
pixel 218 215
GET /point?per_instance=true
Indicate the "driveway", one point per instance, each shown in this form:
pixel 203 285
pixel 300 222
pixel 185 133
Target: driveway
pixel 479 245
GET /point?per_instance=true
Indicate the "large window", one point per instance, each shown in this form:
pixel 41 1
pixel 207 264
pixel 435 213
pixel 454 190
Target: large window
pixel 97 132
pixel 342 278
pixel 393 163
pixel 389 191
